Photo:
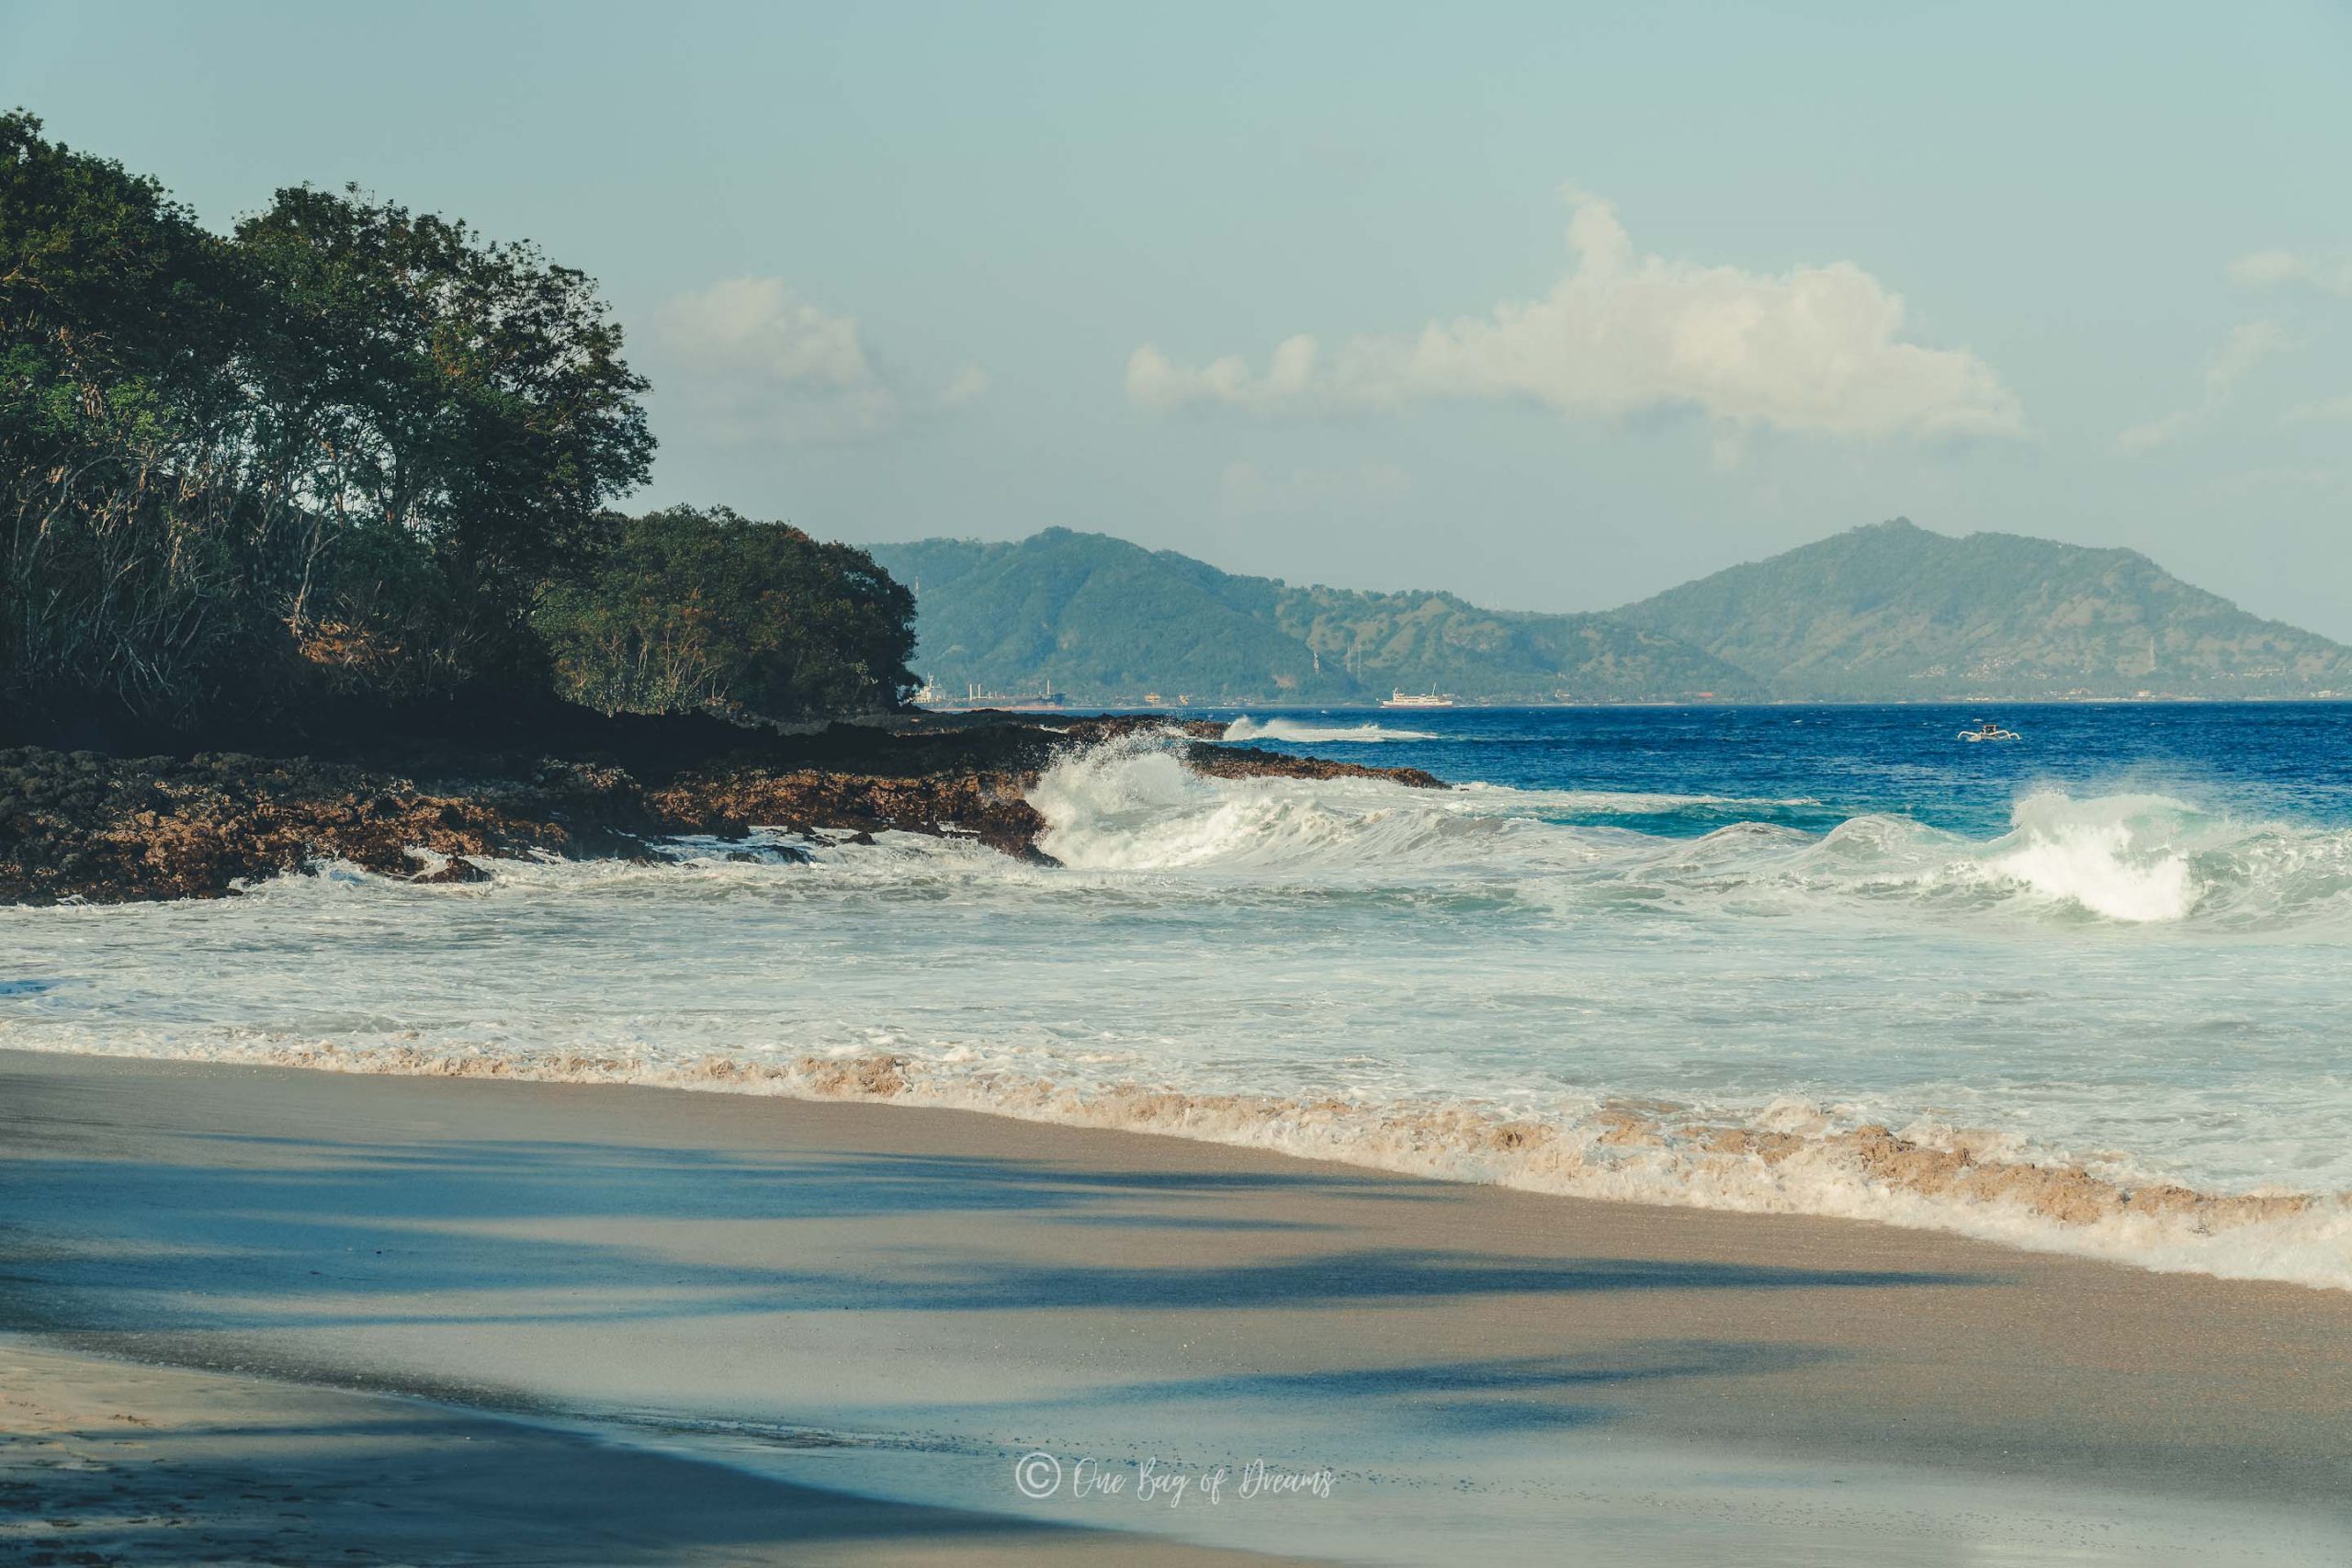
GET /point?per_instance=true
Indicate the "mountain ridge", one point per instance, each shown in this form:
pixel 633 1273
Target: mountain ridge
pixel 1886 612
pixel 1101 618
pixel 1893 611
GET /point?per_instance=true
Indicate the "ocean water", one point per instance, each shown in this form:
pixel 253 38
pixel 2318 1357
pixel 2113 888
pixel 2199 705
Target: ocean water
pixel 2094 980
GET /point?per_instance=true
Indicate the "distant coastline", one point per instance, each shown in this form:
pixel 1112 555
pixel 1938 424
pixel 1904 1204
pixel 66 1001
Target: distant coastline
pixel 1891 613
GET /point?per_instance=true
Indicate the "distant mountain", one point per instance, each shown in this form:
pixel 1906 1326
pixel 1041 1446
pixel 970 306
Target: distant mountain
pixel 1886 612
pixel 1104 621
pixel 1894 612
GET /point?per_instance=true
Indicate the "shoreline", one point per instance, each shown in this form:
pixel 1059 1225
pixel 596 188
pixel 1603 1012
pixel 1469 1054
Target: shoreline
pixel 1649 1154
pixel 137 1462
pixel 972 1278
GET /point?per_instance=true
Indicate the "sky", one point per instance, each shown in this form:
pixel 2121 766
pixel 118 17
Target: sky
pixel 1552 306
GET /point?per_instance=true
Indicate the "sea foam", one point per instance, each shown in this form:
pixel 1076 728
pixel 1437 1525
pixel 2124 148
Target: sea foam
pixel 2104 1029
pixel 1247 728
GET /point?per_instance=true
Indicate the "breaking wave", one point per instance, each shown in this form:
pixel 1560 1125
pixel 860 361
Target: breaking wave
pixel 2105 1028
pixel 2127 859
pixel 1292 730
pixel 1793 1157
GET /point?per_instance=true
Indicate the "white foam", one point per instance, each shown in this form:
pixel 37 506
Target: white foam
pixel 2105 865
pixel 1585 1148
pixel 1247 728
pixel 1134 807
pixel 1364 971
pixel 2127 859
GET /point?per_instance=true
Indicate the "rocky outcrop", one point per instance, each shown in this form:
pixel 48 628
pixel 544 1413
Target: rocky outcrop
pixel 84 825
pixel 987 805
pixel 1252 763
pixel 80 825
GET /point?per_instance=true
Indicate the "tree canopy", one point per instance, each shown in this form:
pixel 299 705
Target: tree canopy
pixel 341 455
pixel 686 609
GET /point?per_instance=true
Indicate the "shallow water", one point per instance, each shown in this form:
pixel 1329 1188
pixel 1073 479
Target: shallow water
pixel 2118 941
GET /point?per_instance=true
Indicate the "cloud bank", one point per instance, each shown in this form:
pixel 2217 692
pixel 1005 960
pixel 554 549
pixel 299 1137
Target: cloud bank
pixel 2327 271
pixel 2326 409
pixel 757 362
pixel 1818 349
pixel 2246 348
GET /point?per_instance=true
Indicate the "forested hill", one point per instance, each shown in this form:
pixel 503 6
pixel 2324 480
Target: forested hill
pixel 1107 621
pixel 1886 612
pixel 1895 611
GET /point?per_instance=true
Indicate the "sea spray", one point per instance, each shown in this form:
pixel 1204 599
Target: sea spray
pixel 1305 732
pixel 2121 1008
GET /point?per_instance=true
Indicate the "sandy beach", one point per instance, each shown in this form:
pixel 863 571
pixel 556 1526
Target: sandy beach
pixel 104 1461
pixel 713 1315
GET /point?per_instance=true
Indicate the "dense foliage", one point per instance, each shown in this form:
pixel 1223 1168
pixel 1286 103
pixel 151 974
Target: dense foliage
pixel 330 454
pixel 335 459
pixel 687 609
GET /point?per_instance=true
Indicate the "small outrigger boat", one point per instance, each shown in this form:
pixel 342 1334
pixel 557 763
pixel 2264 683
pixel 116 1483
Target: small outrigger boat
pixel 1988 730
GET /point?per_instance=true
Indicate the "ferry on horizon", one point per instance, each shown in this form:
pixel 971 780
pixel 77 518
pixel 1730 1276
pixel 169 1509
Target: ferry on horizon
pixel 1401 698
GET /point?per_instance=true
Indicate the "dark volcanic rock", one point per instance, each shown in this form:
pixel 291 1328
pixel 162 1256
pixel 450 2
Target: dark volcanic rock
pixel 1251 762
pixel 456 868
pixel 987 805
pixel 106 828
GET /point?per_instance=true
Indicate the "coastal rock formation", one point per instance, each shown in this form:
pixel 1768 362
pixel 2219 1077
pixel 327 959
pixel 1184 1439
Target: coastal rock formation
pixel 1254 762
pixel 987 805
pixel 84 825
pixel 80 825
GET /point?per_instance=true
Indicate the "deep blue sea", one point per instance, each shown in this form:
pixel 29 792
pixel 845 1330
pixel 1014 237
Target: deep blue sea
pixel 1683 955
pixel 2289 760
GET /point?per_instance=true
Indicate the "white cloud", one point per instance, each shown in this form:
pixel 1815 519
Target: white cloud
pixel 1818 348
pixel 968 383
pixel 2246 347
pixel 2328 271
pixel 764 363
pixel 2326 409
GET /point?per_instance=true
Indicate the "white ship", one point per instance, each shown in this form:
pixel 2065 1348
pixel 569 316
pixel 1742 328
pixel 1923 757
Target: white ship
pixel 1402 699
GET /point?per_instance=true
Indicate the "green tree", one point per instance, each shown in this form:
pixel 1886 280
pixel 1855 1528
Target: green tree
pixel 465 394
pixel 332 456
pixel 117 426
pixel 686 609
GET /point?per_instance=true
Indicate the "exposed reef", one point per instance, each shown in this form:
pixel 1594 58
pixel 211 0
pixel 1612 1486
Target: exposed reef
pixel 426 803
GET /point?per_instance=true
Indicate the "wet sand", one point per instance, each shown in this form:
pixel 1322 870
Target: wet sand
pixel 109 1461
pixel 901 1301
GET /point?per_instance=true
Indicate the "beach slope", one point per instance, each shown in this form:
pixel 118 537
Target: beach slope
pixel 901 1301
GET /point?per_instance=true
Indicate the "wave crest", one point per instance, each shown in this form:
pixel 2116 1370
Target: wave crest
pixel 1246 728
pixel 2127 859
pixel 1791 1157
